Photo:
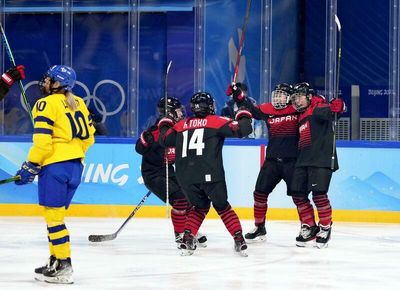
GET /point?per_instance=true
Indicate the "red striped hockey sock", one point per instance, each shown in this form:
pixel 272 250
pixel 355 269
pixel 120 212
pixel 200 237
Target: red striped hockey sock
pixel 178 214
pixel 324 209
pixel 230 220
pixel 305 210
pixel 260 207
pixel 195 218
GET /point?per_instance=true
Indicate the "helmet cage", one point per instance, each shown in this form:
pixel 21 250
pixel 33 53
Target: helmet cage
pixel 280 99
pixel 202 104
pixel 174 110
pixel 295 99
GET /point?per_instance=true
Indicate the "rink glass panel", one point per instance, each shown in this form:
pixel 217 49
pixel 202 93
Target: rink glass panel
pixel 120 50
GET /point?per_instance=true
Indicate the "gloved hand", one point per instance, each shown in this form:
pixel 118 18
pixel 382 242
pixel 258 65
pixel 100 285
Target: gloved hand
pixel 170 155
pixel 27 172
pixel 238 94
pixel 146 138
pixel 166 121
pixel 337 105
pixel 229 90
pixel 14 74
pixel 243 114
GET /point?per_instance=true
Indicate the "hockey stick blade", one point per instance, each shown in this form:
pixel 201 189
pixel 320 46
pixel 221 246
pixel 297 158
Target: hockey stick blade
pixel 102 238
pixel 11 179
pixel 109 237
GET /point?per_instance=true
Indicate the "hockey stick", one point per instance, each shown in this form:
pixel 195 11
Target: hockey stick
pixel 166 148
pixel 103 238
pixel 339 52
pixel 241 43
pixel 11 179
pixel 11 57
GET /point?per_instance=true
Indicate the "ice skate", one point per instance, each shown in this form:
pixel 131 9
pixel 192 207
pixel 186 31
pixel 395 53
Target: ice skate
pixel 178 239
pixel 201 240
pixel 188 245
pixel 59 273
pixel 240 245
pixel 307 234
pixel 323 236
pixel 257 234
pixel 39 271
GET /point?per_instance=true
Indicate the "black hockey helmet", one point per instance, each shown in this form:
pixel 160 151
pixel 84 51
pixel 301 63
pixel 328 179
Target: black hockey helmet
pixel 202 104
pixel 174 108
pixel 302 89
pixel 281 95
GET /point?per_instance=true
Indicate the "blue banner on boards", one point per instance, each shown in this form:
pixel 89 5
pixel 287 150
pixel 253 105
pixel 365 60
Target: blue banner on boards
pixel 368 178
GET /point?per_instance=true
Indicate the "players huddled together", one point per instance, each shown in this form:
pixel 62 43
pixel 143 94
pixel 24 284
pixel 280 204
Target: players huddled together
pixel 300 151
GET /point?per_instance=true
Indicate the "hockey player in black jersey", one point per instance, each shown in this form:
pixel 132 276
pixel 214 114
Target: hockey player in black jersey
pixel 280 158
pixel 199 166
pixel 313 167
pixel 154 172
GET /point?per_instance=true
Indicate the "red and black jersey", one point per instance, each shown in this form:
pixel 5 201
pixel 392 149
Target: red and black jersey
pixel 316 135
pixel 282 127
pixel 198 143
pixel 153 161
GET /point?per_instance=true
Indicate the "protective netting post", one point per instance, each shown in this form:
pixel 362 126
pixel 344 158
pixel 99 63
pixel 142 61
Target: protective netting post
pixel 66 32
pixel 199 8
pixel 331 50
pixel 133 69
pixel 394 65
pixel 265 82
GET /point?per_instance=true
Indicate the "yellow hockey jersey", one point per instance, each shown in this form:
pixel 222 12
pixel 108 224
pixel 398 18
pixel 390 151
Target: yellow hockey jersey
pixel 60 134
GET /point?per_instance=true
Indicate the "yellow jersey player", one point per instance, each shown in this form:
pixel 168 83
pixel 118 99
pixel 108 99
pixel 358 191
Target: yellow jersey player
pixel 63 132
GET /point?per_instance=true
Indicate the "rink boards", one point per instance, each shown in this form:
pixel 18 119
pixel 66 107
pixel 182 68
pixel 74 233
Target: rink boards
pixel 365 188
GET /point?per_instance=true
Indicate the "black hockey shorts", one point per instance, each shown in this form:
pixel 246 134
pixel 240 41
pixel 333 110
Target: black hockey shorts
pixel 315 179
pixel 273 171
pixel 157 185
pixel 200 195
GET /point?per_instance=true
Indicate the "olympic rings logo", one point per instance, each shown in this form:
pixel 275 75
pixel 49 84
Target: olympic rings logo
pixel 92 97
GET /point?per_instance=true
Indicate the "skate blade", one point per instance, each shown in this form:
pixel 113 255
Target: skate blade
pixel 321 245
pixel 202 245
pixel 185 252
pixel 308 244
pixel 242 253
pixel 258 239
pixel 39 277
pixel 59 280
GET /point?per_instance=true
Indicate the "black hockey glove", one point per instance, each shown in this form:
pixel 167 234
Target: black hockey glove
pixel 146 138
pixel 237 93
pixel 243 114
pixel 166 121
pixel 14 74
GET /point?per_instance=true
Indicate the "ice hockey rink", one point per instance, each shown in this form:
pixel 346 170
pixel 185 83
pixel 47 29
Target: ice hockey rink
pixel 144 256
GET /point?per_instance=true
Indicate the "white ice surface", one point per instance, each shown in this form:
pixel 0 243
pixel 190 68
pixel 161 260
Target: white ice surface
pixel 144 256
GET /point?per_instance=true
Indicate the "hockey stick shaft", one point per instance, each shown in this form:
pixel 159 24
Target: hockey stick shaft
pixel 241 43
pixel 11 179
pixel 335 95
pixel 109 237
pixel 166 149
pixel 11 57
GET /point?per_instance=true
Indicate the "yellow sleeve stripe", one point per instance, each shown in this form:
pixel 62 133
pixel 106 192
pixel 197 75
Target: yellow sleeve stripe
pixel 44 119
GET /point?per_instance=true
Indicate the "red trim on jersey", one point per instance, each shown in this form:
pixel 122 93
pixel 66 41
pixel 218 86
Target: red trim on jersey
pixel 316 101
pixel 210 121
pixel 268 109
pixel 262 154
